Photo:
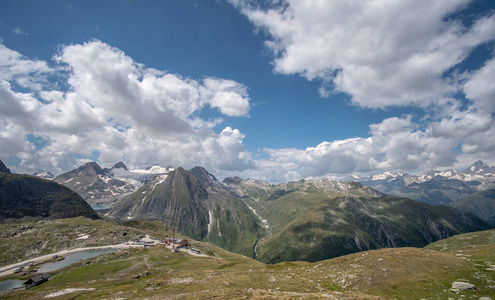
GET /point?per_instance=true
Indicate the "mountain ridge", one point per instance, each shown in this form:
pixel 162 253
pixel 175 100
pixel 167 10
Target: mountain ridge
pixel 25 195
pixel 435 187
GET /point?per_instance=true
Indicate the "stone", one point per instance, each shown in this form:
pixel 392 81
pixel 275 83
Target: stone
pixel 459 285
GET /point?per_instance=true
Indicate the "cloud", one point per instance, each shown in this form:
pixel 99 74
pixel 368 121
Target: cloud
pixel 394 144
pixel 17 69
pixel 382 53
pixel 117 109
pixel 385 54
pixel 17 30
pixel 230 97
pixel 480 88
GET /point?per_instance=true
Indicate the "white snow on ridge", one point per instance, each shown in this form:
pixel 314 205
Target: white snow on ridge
pixel 385 175
pixel 263 221
pixel 159 179
pixel 156 169
pixel 210 220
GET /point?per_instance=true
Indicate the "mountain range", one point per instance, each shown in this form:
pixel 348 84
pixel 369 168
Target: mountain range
pixel 471 190
pixel 307 220
pixel 100 186
pixel 318 219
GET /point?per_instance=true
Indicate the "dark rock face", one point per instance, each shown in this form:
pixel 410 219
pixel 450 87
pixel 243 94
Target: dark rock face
pixel 24 195
pixel 120 165
pixel 3 168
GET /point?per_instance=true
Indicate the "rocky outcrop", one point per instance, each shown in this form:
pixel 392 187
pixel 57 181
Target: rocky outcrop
pixel 3 168
pixel 25 195
pixel 459 285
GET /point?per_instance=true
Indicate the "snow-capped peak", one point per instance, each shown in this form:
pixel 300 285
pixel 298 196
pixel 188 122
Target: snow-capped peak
pixel 385 175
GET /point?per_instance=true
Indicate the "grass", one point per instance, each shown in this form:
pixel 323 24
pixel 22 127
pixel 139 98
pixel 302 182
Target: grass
pixel 401 273
pixel 23 240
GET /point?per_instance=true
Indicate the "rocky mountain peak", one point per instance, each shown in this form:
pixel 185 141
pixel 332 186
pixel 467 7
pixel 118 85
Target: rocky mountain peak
pixel 3 168
pixel 120 165
pixel 232 180
pixel 91 167
pixel 44 175
pixel 203 175
pixel 478 167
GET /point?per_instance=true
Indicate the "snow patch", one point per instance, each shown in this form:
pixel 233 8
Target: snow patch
pixel 67 291
pixel 210 220
pixel 82 236
pixel 263 221
pixel 159 179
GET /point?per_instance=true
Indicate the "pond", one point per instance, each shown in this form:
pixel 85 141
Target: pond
pixel 8 285
pixel 101 208
pixel 73 258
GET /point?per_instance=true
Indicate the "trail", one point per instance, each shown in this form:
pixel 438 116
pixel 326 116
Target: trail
pixel 7 270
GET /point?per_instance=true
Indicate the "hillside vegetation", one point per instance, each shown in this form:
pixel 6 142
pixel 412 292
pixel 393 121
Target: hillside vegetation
pixel 401 273
pixel 317 220
pixel 26 239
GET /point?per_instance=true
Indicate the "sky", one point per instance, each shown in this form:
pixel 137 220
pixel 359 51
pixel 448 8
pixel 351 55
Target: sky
pixel 277 90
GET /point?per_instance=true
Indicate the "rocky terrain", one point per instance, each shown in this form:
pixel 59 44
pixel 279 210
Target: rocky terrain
pixel 29 196
pixel 102 186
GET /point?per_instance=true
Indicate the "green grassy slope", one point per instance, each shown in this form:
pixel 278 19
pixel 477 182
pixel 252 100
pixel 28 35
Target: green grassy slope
pixel 481 204
pixel 156 273
pixel 316 220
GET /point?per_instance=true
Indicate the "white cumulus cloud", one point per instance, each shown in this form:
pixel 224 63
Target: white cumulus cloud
pixel 117 109
pixel 382 53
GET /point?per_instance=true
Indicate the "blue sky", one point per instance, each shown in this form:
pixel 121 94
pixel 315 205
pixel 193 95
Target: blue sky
pixel 275 90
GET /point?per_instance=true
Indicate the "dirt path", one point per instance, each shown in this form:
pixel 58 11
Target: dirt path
pixel 7 270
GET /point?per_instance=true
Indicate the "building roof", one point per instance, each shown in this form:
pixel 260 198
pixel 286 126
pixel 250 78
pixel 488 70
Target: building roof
pixel 38 278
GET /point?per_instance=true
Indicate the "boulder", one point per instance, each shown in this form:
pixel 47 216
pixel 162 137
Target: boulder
pixel 459 285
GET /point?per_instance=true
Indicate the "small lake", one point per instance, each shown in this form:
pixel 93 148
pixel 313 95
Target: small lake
pixel 73 258
pixel 8 285
pixel 101 207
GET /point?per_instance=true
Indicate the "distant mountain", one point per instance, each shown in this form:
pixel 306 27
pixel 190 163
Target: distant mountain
pixel 44 175
pixel 316 220
pixel 481 204
pixel 25 195
pixel 105 186
pixel 435 187
pixel 304 220
pixel 480 168
pixel 196 204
